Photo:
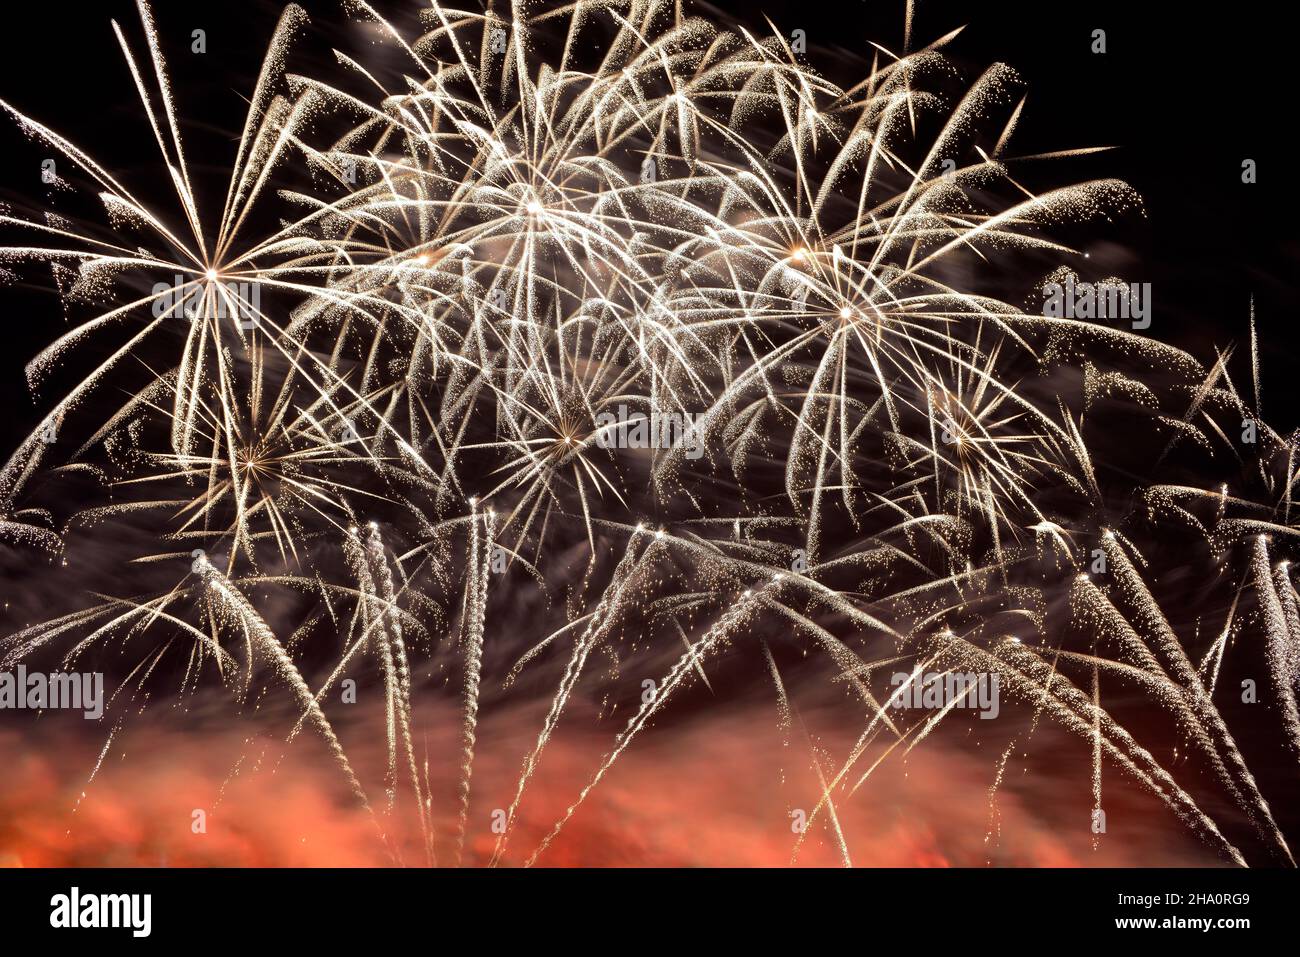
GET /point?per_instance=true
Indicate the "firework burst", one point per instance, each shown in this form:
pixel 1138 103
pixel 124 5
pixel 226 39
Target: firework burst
pixel 367 433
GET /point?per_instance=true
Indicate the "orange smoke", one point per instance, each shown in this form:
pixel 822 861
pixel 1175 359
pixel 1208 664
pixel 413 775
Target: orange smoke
pixel 723 792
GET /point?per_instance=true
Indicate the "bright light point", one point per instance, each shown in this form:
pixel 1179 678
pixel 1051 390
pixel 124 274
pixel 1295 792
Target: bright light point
pixel 374 525
pixel 846 313
pixel 473 500
pixel 211 274
pixel 659 534
pixel 534 208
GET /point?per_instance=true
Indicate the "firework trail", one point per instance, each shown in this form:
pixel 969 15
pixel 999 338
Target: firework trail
pixel 735 616
pixel 475 621
pixel 381 574
pixel 1280 642
pixel 605 610
pixel 231 604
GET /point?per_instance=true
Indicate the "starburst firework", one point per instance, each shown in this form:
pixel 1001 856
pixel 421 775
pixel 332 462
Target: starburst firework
pixel 554 213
